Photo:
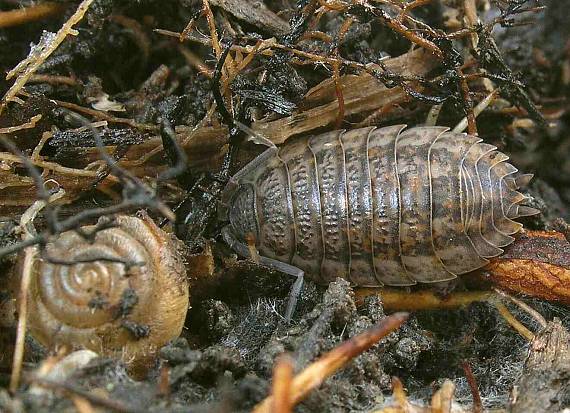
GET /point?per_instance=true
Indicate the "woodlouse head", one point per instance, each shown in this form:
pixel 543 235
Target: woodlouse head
pixel 241 214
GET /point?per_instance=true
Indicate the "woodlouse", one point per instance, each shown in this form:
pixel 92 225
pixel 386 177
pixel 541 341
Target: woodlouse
pixel 377 206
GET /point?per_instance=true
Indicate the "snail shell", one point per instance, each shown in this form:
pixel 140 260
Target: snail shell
pixel 108 307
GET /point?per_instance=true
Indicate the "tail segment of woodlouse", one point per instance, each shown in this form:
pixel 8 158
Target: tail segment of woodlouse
pixel 378 206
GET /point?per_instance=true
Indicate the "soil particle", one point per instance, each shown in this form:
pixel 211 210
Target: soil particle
pixel 335 311
pixel 217 318
pixel 204 366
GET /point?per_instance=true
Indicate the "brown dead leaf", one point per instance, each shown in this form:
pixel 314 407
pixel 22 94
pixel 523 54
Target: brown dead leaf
pixel 536 264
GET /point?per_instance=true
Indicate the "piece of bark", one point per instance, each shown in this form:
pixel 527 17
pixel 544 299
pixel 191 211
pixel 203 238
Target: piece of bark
pixel 205 149
pixel 256 13
pixel 18 192
pixel 544 385
pixel 362 93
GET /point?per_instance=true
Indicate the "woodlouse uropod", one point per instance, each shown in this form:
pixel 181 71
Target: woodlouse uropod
pixel 377 206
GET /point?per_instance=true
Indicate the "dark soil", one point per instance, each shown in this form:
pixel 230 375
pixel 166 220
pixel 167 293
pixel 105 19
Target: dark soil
pixel 235 328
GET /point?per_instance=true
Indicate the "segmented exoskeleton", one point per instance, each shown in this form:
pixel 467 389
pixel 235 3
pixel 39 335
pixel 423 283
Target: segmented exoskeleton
pixel 377 206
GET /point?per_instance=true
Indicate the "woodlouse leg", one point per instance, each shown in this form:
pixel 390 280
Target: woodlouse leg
pixel 244 251
pixel 297 285
pixel 253 136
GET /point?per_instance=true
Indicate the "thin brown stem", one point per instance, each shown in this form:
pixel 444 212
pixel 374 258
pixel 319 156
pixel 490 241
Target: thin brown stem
pixel 399 300
pixel 29 258
pixel 511 319
pixel 282 379
pixel 331 362
pixel 32 13
pixel 535 314
pixel 467 103
pixel 477 403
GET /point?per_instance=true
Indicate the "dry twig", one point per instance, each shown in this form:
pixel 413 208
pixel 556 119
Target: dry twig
pixel 282 380
pixel 477 403
pixel 481 106
pixel 31 13
pixel 28 125
pixel 441 401
pixel 136 195
pixel 27 67
pixel 399 299
pixel 26 223
pixel 535 314
pixel 361 93
pixel 511 319
pixel 312 377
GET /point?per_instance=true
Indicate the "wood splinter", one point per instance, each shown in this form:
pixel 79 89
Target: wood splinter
pixel 544 385
pixel 314 375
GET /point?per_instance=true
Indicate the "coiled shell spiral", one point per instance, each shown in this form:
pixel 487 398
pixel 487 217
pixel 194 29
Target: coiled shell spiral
pixel 107 306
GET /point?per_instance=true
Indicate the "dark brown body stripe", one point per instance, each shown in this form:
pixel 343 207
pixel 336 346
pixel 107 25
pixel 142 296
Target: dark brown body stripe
pixel 386 207
pixel 359 201
pixel 329 155
pixel 305 196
